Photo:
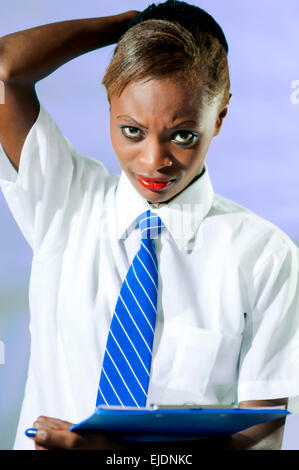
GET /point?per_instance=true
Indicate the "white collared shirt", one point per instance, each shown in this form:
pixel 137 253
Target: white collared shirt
pixel 227 324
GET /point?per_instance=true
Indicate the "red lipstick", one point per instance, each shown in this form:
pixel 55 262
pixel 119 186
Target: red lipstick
pixel 154 184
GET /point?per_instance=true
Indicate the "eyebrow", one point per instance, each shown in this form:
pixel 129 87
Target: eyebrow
pixel 189 121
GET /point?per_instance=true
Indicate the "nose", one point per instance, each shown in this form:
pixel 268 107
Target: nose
pixel 156 156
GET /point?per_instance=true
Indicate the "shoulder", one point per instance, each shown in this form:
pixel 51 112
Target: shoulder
pixel 83 169
pixel 253 237
pixel 236 216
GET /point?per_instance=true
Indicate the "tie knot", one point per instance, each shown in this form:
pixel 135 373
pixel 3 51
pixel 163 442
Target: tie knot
pixel 150 224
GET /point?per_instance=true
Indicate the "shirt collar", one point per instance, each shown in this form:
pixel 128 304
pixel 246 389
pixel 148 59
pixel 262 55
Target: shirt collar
pixel 182 216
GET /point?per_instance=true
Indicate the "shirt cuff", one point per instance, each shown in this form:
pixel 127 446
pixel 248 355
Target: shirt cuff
pixel 270 390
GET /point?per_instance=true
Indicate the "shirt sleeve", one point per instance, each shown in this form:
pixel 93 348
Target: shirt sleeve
pixel 51 185
pixel 269 360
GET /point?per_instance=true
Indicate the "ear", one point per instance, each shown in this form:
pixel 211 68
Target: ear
pixel 220 117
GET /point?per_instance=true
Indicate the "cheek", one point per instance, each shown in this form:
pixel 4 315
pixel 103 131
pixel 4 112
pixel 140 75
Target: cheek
pixel 116 142
pixel 189 159
pixel 124 152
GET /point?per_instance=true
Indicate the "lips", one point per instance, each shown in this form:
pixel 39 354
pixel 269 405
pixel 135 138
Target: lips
pixel 156 184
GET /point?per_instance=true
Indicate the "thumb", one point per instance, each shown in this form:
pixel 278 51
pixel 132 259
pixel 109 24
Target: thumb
pixel 58 439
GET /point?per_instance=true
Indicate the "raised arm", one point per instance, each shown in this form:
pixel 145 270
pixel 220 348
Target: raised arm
pixel 31 55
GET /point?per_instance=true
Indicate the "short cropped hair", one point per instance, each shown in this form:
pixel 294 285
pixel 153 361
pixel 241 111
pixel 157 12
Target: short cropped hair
pixel 172 40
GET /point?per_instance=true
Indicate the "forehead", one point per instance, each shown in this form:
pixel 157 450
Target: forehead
pixel 162 99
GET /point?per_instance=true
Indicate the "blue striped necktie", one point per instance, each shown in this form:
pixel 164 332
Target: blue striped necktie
pixel 127 361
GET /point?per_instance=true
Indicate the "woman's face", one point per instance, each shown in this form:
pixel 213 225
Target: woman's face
pixel 162 130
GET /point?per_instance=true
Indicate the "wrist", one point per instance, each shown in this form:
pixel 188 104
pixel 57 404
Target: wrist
pixel 124 18
pixel 130 14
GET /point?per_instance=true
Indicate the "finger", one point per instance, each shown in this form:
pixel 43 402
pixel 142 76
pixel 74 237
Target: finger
pixel 31 433
pixel 53 423
pixel 58 439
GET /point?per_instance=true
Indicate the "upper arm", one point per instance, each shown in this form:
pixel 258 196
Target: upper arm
pixel 268 365
pixel 19 109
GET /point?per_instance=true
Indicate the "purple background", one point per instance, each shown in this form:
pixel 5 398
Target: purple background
pixel 254 161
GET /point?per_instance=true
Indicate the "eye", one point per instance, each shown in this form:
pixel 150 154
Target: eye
pixel 131 132
pixel 185 137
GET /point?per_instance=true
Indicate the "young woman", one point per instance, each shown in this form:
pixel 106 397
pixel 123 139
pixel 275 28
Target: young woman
pixel 225 295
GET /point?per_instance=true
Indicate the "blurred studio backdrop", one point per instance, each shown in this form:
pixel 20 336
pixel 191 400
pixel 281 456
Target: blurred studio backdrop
pixel 254 161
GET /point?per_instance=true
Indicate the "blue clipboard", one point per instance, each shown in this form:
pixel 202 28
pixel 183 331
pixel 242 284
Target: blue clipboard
pixel 175 423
